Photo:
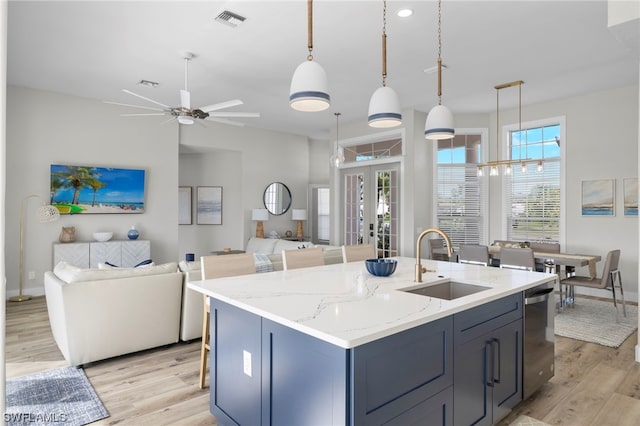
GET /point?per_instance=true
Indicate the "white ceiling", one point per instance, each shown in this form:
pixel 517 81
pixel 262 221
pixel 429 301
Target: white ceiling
pixel 95 49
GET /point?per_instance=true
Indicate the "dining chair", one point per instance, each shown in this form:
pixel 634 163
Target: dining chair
pixel 228 265
pixel 544 247
pixel 517 258
pixel 475 254
pixel 302 258
pixel 354 253
pixel 610 274
pixel 433 245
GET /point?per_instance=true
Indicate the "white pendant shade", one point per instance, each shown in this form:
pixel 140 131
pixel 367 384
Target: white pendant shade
pixel 309 88
pixel 384 108
pixel 439 124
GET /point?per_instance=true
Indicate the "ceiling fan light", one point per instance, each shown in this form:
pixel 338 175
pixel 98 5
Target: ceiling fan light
pixel 384 108
pixel 309 88
pixel 439 124
pixel 184 119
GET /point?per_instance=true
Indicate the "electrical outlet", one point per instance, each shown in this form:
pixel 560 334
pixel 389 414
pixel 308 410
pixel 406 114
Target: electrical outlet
pixel 32 275
pixel 246 363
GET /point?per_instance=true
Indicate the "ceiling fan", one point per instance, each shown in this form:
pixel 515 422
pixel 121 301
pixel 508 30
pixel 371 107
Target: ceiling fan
pixel 184 114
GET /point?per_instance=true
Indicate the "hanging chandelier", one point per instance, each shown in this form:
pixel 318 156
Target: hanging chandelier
pixel 507 165
pixel 384 106
pixel 439 124
pixel 309 89
pixel 337 158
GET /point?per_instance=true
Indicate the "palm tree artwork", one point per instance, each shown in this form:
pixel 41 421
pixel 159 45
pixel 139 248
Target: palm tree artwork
pixel 86 189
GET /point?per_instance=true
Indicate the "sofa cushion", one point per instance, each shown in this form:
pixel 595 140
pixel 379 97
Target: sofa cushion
pixel 189 266
pixel 72 274
pixel 290 245
pixel 261 245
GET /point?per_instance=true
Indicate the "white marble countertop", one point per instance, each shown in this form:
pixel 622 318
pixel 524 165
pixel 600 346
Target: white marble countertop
pixel 345 305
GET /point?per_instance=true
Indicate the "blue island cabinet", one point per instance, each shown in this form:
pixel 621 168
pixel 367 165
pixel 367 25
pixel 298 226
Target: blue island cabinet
pixel 488 361
pixel 264 373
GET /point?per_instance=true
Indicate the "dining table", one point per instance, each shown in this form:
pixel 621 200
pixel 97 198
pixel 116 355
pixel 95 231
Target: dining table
pixel 551 260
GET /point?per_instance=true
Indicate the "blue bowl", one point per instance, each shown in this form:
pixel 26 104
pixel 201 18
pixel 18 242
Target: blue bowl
pixel 381 267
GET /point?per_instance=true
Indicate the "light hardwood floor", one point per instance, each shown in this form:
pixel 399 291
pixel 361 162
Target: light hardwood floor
pixel 593 384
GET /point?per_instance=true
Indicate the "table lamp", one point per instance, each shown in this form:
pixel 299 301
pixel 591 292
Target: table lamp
pixel 299 215
pixel 259 215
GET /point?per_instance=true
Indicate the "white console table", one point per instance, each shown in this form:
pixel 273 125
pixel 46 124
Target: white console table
pixel 125 253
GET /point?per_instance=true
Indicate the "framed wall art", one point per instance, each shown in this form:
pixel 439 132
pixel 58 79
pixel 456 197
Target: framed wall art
pixel 184 205
pixel 630 189
pixel 209 205
pixel 598 197
pixel 77 189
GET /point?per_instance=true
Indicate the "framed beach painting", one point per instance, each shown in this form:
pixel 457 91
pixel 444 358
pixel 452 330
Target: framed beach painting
pixel 630 188
pixel 88 189
pixel 184 205
pixel 209 205
pixel 598 197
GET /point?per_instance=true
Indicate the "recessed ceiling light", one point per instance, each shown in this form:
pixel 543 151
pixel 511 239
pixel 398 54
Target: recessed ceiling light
pixel 405 13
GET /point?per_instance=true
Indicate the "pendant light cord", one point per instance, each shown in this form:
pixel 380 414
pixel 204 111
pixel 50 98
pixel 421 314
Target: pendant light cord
pixel 384 43
pixel 337 114
pixel 439 52
pixel 310 29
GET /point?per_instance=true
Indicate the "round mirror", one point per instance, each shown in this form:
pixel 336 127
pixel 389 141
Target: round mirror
pixel 277 198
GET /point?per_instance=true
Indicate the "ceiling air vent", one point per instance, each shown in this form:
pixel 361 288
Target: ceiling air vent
pixel 229 18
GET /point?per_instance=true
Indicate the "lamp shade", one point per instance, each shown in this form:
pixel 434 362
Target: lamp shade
pixel 260 214
pixel 48 213
pixel 439 124
pixel 384 108
pixel 309 88
pixel 299 214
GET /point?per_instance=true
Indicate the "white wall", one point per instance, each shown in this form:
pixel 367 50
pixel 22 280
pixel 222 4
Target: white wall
pixel 248 160
pixel 45 128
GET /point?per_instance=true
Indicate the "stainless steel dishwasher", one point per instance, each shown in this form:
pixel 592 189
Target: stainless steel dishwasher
pixel 539 341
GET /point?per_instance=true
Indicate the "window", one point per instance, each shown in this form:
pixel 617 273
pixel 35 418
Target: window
pixel 460 193
pixel 373 150
pixel 533 196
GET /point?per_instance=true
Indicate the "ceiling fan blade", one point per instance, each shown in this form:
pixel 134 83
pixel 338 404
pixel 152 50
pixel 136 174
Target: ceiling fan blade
pixel 225 121
pixel 185 99
pixel 234 114
pixel 141 115
pixel 132 106
pixel 129 92
pixel 222 105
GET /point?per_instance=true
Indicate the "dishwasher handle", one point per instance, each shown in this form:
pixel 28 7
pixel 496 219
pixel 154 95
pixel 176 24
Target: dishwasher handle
pixel 538 296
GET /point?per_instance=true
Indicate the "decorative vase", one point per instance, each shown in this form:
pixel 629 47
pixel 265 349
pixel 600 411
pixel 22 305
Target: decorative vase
pixel 133 233
pixel 68 234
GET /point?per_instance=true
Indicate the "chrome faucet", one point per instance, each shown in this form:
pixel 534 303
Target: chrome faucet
pixel 419 268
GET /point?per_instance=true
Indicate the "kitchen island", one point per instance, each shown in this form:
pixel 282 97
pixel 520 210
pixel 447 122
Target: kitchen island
pixel 336 345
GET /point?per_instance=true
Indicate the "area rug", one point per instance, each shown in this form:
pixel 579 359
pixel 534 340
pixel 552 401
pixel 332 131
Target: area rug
pixel 594 321
pixel 527 421
pixel 60 396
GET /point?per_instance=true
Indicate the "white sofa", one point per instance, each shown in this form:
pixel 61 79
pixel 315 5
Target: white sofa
pixel 101 313
pixel 273 247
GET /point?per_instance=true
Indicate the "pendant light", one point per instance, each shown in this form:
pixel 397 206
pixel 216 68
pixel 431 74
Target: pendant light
pixel 337 158
pixel 439 124
pixel 384 106
pixel 309 86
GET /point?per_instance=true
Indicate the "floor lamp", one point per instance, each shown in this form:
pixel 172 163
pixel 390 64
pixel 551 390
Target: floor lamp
pixel 46 213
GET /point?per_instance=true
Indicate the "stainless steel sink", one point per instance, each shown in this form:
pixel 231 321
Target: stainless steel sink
pixel 448 290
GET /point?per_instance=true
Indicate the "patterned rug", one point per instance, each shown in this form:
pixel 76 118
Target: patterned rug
pixel 527 421
pixel 61 396
pixel 594 321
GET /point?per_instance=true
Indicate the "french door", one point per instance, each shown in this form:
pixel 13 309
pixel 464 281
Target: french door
pixel 370 213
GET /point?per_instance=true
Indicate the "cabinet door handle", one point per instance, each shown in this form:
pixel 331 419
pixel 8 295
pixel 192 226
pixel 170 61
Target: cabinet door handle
pixel 489 363
pixel 496 360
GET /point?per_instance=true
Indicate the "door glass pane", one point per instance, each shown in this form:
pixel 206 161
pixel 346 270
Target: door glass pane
pixel 354 205
pixel 387 212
